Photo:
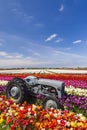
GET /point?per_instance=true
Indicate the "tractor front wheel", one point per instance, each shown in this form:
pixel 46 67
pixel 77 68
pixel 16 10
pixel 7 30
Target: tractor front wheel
pixel 50 102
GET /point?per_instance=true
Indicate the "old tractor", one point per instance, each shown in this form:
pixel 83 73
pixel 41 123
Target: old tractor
pixel 48 90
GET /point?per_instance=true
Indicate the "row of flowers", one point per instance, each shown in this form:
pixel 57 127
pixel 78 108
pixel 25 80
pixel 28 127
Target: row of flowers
pixel 76 91
pixel 32 117
pixel 68 82
pixel 46 75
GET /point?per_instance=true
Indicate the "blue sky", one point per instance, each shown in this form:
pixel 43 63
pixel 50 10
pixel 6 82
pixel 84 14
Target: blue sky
pixel 43 33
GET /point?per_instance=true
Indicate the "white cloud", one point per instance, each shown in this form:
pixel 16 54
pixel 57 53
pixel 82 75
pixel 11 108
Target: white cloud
pixel 51 37
pixel 24 62
pixel 37 55
pixel 73 60
pixel 77 41
pixel 4 54
pixel 53 58
pixel 18 56
pixel 59 40
pixel 61 8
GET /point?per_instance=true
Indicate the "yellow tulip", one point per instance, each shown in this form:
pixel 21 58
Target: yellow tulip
pixel 1 118
pixel 80 124
pixel 16 113
pixel 47 116
pixel 73 124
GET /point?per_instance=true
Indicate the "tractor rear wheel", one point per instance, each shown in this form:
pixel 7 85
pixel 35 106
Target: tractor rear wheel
pixel 17 90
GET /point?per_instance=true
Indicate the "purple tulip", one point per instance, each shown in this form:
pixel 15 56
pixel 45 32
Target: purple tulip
pixel 2 89
pixel 75 103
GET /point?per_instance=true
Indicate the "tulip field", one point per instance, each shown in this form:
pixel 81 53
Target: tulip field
pixel 27 116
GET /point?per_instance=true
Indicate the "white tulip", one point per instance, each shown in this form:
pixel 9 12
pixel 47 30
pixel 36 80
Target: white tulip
pixel 3 82
pixel 76 91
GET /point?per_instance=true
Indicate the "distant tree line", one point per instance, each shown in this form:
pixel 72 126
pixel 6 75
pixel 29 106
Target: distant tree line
pixel 77 68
